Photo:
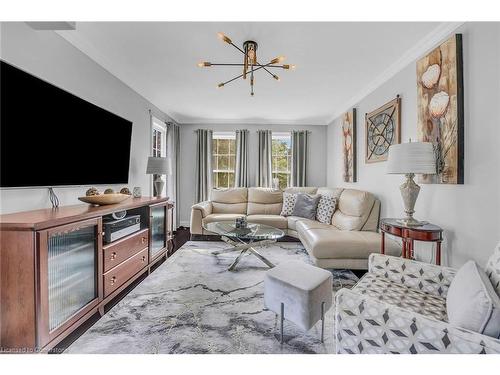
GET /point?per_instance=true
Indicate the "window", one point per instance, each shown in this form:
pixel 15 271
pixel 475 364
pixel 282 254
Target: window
pixel 159 133
pixel 159 145
pixel 223 159
pixel 282 158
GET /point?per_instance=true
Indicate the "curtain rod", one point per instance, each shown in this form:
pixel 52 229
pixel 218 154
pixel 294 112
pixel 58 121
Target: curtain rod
pixel 229 131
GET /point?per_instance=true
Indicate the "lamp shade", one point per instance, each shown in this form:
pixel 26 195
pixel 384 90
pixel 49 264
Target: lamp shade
pixel 158 165
pixel 413 157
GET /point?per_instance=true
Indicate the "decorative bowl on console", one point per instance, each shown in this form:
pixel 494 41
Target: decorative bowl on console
pixel 104 199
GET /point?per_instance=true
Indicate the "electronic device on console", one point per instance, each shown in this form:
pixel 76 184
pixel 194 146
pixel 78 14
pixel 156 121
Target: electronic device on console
pixel 115 227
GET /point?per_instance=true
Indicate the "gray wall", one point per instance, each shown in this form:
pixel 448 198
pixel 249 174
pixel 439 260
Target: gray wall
pixel 469 213
pixel 50 57
pixel 317 162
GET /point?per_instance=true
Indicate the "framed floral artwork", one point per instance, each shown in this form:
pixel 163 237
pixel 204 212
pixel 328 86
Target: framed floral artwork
pixel 440 107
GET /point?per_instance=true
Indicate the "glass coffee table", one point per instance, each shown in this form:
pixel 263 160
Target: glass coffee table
pixel 244 240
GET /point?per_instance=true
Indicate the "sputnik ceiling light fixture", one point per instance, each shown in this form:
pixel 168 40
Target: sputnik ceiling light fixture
pixel 250 63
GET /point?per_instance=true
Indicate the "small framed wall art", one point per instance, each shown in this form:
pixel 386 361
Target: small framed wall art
pixel 349 145
pixel 382 129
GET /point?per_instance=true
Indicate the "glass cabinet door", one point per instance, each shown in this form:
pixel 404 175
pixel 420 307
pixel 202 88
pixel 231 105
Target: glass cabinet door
pixel 158 230
pixel 72 264
pixel 69 269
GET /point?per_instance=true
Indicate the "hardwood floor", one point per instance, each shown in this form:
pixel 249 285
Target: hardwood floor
pixel 182 235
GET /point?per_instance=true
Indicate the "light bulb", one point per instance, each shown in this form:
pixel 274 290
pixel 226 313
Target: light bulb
pixel 220 85
pixel 278 59
pixel 276 77
pixel 293 66
pixel 224 38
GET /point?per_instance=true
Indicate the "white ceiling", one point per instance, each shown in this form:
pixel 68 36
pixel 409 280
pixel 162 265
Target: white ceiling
pixel 335 62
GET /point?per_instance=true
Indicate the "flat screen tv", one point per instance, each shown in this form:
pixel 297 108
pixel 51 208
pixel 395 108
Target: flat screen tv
pixel 50 137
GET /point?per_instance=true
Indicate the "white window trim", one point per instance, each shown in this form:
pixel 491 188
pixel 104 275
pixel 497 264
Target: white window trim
pixel 157 124
pixel 224 135
pixel 282 135
pixel 162 128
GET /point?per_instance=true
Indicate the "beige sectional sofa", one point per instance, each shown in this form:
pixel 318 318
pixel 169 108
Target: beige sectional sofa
pixel 345 243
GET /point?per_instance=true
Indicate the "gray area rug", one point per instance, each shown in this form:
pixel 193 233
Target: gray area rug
pixel 191 304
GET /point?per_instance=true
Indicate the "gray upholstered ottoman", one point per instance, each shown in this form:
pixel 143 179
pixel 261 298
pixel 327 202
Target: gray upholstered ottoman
pixel 300 293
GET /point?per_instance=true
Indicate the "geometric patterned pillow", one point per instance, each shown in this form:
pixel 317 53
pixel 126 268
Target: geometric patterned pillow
pixel 326 207
pixel 288 204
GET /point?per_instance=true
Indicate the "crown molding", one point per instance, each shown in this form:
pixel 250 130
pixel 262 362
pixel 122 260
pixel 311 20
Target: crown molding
pixel 426 44
pixel 202 121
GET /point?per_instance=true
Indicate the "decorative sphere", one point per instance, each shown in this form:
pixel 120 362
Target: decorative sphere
pixel 109 191
pixel 125 190
pixel 92 191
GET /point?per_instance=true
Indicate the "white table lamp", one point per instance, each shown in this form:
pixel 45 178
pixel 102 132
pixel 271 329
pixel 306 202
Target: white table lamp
pixel 158 166
pixel 410 159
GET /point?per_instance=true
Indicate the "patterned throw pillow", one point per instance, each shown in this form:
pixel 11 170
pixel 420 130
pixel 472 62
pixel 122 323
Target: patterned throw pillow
pixel 288 204
pixel 326 207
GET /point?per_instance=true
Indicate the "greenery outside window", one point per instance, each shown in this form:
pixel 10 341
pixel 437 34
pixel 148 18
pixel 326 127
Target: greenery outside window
pixel 281 158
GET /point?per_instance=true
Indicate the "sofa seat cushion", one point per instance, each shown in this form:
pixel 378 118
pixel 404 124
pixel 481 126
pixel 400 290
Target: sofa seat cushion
pixel 393 293
pixel 292 222
pixel 276 221
pixel 332 243
pixel 220 217
pixel 306 224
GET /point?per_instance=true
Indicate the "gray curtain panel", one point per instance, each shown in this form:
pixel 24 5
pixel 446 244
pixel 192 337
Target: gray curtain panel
pixel 300 145
pixel 264 166
pixel 242 174
pixel 203 173
pixel 173 180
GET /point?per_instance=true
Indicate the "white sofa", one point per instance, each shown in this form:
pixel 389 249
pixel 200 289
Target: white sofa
pixel 399 306
pixel 346 242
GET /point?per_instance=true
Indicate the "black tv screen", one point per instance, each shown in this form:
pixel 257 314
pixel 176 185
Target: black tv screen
pixel 50 137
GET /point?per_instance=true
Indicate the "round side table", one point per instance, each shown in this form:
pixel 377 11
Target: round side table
pixel 427 232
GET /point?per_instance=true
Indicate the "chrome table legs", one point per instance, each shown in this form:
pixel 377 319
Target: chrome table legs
pixel 244 248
